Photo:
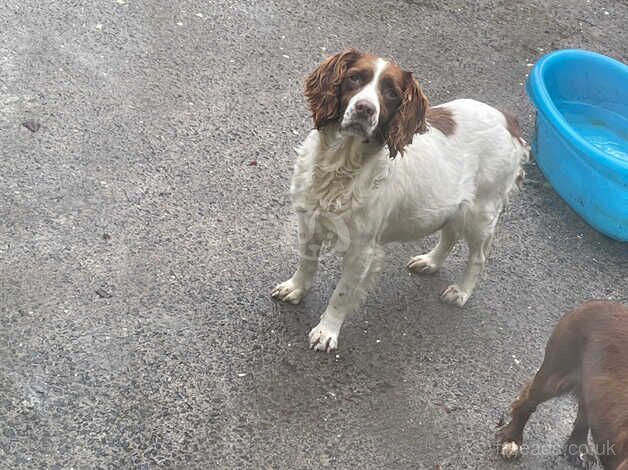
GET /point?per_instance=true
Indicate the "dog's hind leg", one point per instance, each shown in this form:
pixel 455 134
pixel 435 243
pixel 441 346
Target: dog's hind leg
pixel 478 231
pixel 577 450
pixel 558 375
pixel 510 437
pixel 431 262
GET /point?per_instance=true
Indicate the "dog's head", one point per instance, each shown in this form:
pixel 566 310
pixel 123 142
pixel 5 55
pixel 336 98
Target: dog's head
pixel 369 97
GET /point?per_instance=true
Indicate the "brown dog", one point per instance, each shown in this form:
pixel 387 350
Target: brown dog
pixel 587 355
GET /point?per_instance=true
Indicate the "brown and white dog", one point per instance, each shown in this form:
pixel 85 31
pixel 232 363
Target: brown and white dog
pixel 460 161
pixel 587 356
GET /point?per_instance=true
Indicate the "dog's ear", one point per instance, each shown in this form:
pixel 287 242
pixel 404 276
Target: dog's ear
pixel 322 87
pixel 410 117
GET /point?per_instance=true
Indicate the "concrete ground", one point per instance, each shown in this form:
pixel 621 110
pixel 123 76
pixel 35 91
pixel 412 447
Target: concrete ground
pixel 139 242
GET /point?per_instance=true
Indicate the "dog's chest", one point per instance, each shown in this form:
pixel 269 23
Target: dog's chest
pixel 334 204
pixel 336 185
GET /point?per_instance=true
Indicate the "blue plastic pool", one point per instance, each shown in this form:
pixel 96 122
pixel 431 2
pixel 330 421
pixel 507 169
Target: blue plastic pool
pixel 581 141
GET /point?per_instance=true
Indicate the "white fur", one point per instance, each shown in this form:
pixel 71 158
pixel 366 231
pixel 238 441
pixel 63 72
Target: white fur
pixel 510 450
pixel 350 194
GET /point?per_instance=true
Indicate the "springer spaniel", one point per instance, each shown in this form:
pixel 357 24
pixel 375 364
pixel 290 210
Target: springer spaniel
pixel 460 161
pixel 587 356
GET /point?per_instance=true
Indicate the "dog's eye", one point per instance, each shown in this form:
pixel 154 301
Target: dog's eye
pixel 390 94
pixel 355 78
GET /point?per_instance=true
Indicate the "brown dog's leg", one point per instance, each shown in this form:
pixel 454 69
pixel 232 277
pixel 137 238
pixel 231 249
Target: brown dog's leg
pixel 510 437
pixel 577 450
pixel 550 381
pixel 558 375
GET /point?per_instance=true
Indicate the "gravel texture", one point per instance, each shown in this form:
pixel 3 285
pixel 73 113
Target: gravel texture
pixel 146 152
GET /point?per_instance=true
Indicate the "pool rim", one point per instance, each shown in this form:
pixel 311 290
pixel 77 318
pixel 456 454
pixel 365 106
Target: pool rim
pixel 615 167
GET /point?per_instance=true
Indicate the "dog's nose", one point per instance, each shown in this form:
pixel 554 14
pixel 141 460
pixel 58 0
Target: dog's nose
pixel 365 108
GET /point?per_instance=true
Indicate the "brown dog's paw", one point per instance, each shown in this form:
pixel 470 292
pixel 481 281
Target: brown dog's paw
pixel 579 455
pixel 510 450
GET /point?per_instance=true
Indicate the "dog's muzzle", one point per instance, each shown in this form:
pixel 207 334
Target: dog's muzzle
pixel 360 119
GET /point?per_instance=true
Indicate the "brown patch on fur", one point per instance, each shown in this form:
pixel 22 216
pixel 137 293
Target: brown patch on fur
pixel 512 126
pixel 586 355
pixel 410 117
pixel 390 92
pixel 364 67
pixel 442 119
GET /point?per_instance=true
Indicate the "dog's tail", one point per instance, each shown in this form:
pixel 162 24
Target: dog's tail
pixel 514 129
pixel 521 155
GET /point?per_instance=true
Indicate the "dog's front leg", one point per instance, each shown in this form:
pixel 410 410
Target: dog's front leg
pixel 296 287
pixel 360 267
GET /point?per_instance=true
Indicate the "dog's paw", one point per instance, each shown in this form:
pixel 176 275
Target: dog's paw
pixel 510 450
pixel 323 338
pixel 288 291
pixel 454 295
pixel 580 455
pixel 422 264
